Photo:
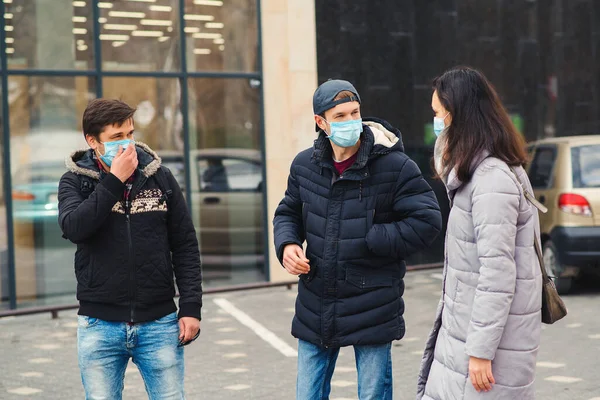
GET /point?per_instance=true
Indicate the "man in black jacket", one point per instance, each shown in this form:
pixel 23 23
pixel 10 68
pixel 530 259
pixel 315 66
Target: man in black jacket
pixel 362 206
pixel 129 219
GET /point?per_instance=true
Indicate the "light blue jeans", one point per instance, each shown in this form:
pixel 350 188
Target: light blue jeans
pixel 316 366
pixel 105 349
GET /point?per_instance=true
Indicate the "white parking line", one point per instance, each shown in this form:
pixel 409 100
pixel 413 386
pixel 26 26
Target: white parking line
pixel 257 328
pixel 24 391
pixel 438 276
pixel 563 379
pixel 594 336
pixel 544 364
pixel 342 383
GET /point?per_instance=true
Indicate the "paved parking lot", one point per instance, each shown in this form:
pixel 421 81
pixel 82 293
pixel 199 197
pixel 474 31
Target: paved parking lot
pixel 246 351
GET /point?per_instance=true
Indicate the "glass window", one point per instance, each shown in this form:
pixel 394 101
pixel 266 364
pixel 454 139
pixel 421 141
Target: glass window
pixel 226 177
pixel 4 294
pixel 45 127
pixel 221 35
pixel 542 167
pixel 220 174
pixel 158 119
pixel 140 35
pixel 49 34
pixel 586 166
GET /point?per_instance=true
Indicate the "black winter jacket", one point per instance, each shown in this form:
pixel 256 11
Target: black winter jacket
pixel 359 228
pixel 125 259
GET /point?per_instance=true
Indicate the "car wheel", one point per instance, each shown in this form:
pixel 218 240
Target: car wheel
pixel 554 268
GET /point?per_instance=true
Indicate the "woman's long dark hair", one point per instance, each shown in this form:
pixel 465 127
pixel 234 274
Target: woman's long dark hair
pixel 479 122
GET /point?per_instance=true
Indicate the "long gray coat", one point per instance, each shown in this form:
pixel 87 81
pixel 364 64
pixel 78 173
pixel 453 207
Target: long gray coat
pixel 491 304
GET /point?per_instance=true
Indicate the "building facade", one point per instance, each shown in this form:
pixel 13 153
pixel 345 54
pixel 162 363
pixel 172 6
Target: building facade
pixel 224 91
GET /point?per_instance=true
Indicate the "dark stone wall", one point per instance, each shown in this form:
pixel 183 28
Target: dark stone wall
pixel 392 49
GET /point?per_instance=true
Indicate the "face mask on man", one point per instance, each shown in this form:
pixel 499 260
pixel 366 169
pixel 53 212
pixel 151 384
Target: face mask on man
pixel 439 125
pixel 347 133
pixel 112 148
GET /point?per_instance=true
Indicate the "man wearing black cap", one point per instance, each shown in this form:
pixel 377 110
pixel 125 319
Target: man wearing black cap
pixel 362 206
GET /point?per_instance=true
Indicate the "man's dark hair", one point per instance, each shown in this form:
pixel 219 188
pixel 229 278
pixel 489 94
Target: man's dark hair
pixel 103 112
pixel 479 122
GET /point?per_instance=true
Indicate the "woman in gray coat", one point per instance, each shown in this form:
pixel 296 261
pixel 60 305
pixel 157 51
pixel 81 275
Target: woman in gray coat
pixel 486 334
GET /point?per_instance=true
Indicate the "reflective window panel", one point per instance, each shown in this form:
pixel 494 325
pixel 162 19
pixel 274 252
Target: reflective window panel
pixel 140 35
pixel 221 35
pixel 45 127
pixel 4 294
pixel 49 34
pixel 227 179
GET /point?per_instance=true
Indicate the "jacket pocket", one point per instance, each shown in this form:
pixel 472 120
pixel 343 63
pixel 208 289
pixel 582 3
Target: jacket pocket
pixel 83 321
pixel 167 271
pixel 370 219
pixel 306 278
pixel 97 276
pixel 83 268
pixel 368 279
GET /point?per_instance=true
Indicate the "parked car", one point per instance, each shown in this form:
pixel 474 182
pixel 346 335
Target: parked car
pixel 44 259
pixel 227 204
pixel 35 198
pixel 565 175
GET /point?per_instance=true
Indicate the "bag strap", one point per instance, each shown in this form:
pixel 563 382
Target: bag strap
pixel 531 198
pixel 540 256
pixel 86 185
pixel 163 183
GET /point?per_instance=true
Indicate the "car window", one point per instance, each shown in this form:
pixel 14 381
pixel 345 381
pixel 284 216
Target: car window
pixel 229 175
pixel 542 166
pixel 586 166
pixel 177 169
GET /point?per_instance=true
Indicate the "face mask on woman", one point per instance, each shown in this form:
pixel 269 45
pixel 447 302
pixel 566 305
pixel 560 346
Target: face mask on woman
pixel 439 125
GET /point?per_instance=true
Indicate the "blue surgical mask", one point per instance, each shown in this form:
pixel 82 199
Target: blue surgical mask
pixel 347 133
pixel 439 125
pixel 112 148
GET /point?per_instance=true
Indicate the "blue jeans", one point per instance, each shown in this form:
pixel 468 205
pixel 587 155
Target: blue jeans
pixel 316 366
pixel 105 349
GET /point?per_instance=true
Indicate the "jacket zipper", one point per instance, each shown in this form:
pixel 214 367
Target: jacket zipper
pixel 132 282
pixel 132 274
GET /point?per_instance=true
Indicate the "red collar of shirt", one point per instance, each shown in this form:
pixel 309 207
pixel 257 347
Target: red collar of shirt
pixel 344 165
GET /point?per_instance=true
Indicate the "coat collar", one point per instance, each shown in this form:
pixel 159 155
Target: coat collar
pixel 377 139
pixel 453 183
pixel 81 162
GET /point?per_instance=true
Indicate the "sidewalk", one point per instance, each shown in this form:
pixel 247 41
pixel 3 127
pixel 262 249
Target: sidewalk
pixel 232 361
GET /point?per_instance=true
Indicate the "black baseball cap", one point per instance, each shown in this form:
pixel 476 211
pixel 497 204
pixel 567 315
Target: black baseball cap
pixel 324 97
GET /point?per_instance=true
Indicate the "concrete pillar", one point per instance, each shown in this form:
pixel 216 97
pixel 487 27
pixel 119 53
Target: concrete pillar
pixel 290 78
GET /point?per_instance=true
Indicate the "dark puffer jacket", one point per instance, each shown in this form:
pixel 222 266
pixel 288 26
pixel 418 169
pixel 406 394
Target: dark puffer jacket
pixel 126 256
pixel 359 228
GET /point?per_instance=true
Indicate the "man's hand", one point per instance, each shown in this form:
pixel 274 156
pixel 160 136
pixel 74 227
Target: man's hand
pixel 480 371
pixel 188 328
pixel 125 163
pixel 294 260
